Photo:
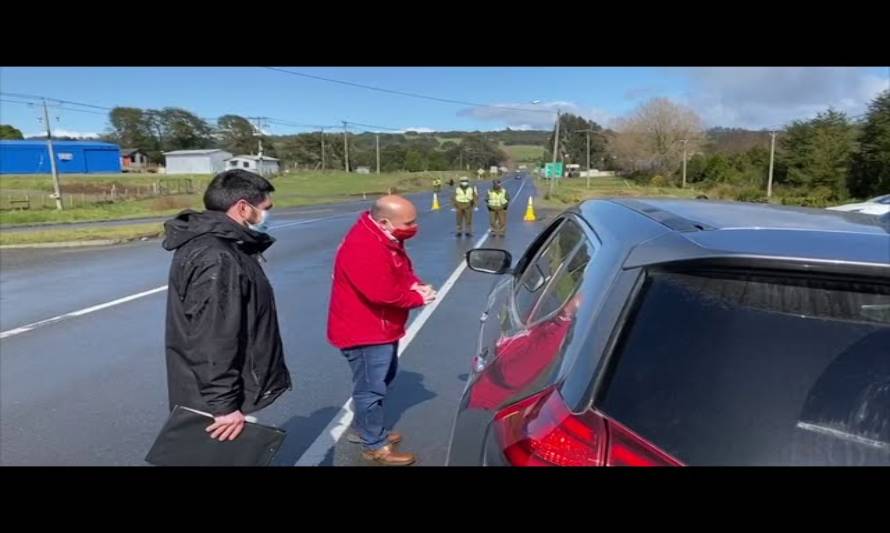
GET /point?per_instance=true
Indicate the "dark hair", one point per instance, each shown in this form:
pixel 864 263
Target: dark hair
pixel 228 187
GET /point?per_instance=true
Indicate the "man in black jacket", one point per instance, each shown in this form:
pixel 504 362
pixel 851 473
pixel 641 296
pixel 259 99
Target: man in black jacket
pixel 224 351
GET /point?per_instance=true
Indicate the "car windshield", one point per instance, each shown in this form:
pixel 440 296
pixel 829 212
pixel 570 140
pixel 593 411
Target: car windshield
pixel 883 200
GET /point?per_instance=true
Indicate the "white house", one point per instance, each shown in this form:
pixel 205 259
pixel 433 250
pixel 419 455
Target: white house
pixel 270 165
pixel 196 161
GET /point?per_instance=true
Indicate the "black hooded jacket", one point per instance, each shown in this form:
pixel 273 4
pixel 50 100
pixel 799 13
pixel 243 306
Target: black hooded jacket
pixel 224 350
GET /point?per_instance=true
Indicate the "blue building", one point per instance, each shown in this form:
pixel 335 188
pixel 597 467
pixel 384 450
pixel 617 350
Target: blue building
pixel 80 157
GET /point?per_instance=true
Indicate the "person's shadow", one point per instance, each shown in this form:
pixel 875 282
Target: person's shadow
pixel 301 433
pixel 407 391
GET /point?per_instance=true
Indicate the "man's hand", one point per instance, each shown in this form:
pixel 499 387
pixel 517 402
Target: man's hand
pixel 421 288
pixel 427 291
pixel 227 427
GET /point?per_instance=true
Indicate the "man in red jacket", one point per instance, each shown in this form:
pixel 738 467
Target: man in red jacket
pixel 374 288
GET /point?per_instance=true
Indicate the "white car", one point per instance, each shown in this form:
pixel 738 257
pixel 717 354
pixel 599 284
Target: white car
pixel 876 206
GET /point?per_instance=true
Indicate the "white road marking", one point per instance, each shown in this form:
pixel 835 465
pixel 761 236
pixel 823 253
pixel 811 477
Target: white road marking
pixel 307 221
pixel 39 324
pixel 843 435
pixel 81 312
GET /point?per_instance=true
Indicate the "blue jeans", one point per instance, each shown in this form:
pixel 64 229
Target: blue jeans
pixel 373 369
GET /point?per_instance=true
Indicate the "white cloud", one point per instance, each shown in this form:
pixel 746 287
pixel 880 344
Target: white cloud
pixel 418 129
pixel 66 133
pixel 530 116
pixel 764 97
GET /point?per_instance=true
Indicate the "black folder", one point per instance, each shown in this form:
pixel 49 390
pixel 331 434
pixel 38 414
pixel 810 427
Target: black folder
pixel 184 441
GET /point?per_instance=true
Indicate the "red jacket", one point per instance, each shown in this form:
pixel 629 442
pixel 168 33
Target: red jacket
pixel 371 293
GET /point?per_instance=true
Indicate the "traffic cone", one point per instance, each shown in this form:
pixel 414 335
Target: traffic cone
pixel 530 211
pixel 435 202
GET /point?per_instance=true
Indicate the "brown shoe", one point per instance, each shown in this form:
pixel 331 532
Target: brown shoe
pixel 393 438
pixel 388 456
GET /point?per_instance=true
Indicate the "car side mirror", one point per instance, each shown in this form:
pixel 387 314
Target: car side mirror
pixel 489 260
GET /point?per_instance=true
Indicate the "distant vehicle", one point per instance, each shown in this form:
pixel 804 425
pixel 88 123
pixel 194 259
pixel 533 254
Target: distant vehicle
pixel 876 206
pixel 573 171
pixel 683 332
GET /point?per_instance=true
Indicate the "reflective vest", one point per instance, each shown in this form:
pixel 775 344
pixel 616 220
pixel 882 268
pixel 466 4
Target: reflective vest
pixel 497 199
pixel 464 196
pixel 437 182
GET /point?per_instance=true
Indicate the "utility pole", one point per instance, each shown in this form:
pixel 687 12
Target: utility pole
pixel 378 152
pixel 346 145
pixel 685 142
pixel 555 149
pixel 259 135
pixel 323 167
pixel 772 153
pixel 260 153
pixel 57 189
pixel 377 139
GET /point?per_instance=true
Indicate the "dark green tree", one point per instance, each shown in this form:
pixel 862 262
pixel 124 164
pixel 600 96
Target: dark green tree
pixel 870 169
pixel 237 135
pixel 10 133
pixel 817 153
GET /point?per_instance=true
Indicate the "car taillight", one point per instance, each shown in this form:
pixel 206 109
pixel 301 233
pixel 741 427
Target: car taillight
pixel 626 448
pixel 541 431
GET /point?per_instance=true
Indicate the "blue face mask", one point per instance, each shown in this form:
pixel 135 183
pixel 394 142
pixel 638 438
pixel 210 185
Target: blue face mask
pixel 263 225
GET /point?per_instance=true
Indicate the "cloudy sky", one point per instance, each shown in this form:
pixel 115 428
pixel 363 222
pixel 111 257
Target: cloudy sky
pixel 749 97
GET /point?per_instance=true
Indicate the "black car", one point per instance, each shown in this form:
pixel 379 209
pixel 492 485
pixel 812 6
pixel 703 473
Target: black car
pixel 684 332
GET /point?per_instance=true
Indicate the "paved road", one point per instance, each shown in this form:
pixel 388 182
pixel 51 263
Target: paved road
pixel 303 211
pixel 91 389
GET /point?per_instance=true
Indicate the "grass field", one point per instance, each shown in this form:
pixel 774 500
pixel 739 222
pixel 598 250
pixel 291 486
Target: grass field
pixel 119 233
pixel 87 197
pixel 524 153
pixel 573 190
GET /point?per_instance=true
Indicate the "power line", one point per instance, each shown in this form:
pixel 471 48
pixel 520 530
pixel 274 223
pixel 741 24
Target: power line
pixel 376 127
pixel 270 120
pixel 38 97
pixel 411 95
pixel 281 122
pixel 17 102
pixel 57 107
pixel 81 111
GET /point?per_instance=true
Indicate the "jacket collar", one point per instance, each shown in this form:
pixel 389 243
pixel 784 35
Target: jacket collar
pixel 372 227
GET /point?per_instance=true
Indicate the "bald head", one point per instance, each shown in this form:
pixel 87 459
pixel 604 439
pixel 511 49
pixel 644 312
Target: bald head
pixel 399 211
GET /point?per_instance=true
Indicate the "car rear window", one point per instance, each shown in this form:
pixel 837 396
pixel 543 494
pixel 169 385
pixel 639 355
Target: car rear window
pixel 724 368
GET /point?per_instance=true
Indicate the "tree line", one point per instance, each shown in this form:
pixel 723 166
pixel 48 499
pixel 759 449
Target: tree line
pixel 169 129
pixel 829 158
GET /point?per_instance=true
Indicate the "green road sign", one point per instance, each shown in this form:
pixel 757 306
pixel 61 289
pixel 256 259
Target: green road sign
pixel 553 170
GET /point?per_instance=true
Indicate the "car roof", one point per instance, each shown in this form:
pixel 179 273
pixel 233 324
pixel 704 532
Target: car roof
pixel 699 229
